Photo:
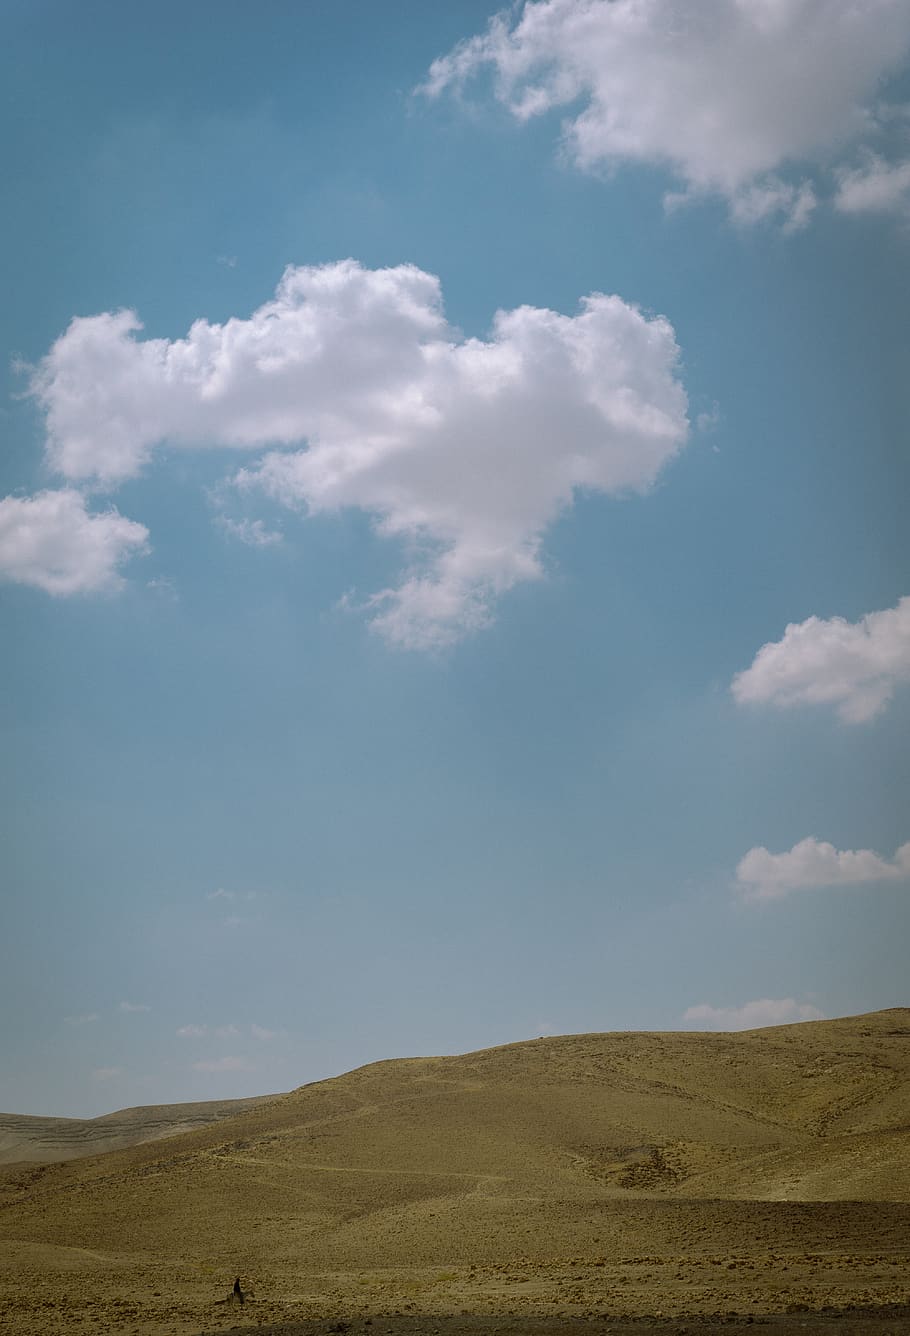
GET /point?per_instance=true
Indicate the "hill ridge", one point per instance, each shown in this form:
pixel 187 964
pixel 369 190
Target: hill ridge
pixel 591 1167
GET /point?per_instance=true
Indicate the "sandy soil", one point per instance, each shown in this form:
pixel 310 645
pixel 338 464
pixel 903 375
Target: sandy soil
pixel 327 1305
pixel 603 1183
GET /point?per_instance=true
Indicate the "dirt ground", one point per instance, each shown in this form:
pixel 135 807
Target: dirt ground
pixel 848 1322
pixel 796 1293
pixel 225 1318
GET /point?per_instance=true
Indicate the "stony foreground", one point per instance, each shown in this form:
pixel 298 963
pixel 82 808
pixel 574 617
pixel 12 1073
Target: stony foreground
pixel 787 1292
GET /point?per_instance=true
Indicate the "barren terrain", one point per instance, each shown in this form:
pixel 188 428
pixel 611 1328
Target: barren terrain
pixel 45 1140
pixel 610 1181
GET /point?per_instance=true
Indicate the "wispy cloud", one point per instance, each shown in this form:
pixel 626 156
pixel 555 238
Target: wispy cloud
pixel 875 186
pixel 251 532
pixel 228 1031
pixel 225 1064
pixel 164 587
pixel 751 1015
pixel 86 1019
pixel 134 1006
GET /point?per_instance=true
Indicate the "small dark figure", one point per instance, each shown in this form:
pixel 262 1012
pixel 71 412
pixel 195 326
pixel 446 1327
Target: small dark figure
pixel 237 1292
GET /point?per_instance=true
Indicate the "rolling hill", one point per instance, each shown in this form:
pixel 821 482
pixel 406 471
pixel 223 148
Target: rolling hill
pixel 592 1168
pixel 46 1140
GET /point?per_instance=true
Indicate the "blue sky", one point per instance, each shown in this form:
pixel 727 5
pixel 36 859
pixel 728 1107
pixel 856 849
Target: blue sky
pixel 385 675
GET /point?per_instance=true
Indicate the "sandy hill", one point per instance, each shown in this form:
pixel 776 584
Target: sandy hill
pixel 45 1140
pixel 571 1151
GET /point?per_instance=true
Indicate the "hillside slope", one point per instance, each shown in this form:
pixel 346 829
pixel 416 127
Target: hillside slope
pixel 47 1140
pixel 661 1147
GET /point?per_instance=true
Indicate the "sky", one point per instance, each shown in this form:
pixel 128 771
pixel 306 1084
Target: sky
pixel 454 568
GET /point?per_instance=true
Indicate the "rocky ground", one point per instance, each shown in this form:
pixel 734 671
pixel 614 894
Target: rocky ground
pixel 804 1293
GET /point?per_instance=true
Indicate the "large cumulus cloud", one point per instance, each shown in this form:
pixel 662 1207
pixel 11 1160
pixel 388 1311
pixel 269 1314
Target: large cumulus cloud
pixel 350 388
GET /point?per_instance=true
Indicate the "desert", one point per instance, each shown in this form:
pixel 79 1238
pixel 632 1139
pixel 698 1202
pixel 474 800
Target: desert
pixel 455 688
pixel 617 1182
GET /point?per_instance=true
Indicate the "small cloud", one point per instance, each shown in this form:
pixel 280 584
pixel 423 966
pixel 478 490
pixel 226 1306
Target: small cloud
pixel 192 1031
pixel 751 1015
pixel 252 532
pixel 792 205
pixel 134 1006
pixel 876 186
pixel 815 863
pixel 260 1032
pixel 853 666
pixel 106 1073
pixel 233 921
pixel 227 1031
pixel 51 541
pixel 164 587
pixel 226 1064
pixel 227 261
pixel 86 1019
pixel 229 896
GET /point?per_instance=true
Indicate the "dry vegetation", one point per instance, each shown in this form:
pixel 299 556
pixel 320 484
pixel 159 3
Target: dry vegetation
pixel 585 1177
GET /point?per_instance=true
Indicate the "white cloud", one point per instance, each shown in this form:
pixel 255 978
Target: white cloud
pixel 251 532
pixel 724 93
pixel 772 198
pixel 226 1064
pixel 751 1015
pixel 220 894
pixel 854 666
pixel 86 1019
pixel 229 1031
pixel 815 863
pixel 876 186
pixel 164 587
pixel 134 1006
pixel 52 542
pixel 464 449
